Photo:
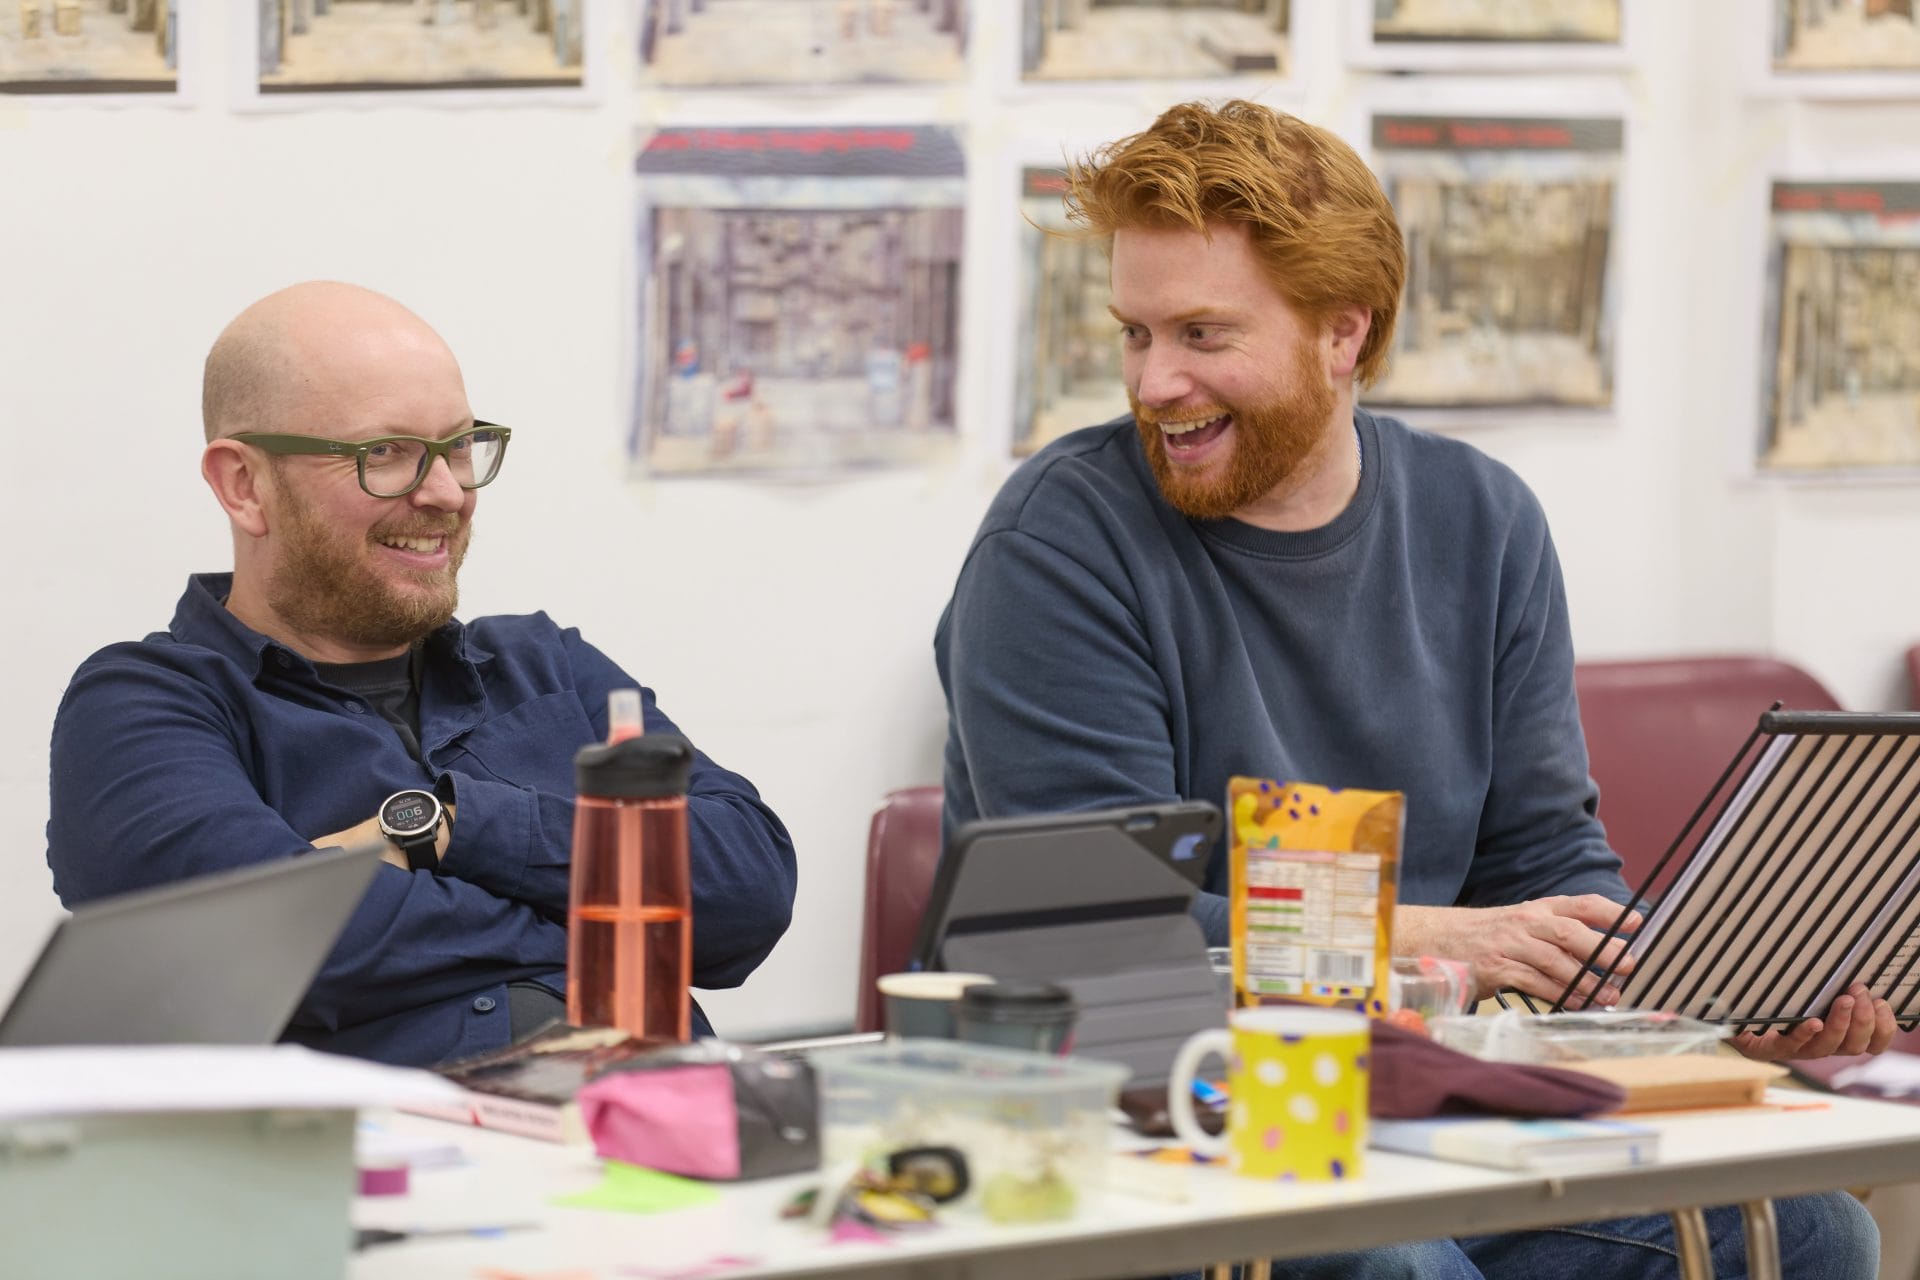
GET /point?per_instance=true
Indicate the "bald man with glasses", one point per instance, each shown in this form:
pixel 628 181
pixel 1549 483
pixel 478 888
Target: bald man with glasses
pixel 324 693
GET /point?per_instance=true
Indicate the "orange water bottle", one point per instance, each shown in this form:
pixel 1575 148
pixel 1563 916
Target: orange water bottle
pixel 630 919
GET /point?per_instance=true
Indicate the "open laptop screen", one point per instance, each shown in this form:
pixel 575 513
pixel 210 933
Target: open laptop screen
pixel 219 959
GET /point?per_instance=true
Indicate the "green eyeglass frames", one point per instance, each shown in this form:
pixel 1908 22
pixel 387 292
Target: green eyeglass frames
pixel 394 466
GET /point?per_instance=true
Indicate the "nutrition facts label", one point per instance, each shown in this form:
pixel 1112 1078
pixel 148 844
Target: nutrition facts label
pixel 1311 922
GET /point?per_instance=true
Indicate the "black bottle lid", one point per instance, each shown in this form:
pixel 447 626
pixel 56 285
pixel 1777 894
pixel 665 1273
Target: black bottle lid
pixel 649 767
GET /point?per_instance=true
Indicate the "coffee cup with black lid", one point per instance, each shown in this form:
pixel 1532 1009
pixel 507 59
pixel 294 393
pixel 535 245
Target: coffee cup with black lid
pixel 1036 1016
pixel 922 1003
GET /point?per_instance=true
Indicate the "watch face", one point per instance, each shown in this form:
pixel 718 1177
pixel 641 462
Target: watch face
pixel 409 812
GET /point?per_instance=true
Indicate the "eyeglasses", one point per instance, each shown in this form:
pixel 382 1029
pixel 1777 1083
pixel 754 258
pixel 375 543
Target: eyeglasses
pixel 394 466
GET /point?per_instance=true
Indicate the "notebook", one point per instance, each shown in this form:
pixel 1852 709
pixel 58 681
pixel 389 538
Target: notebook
pixel 219 959
pixel 1506 1142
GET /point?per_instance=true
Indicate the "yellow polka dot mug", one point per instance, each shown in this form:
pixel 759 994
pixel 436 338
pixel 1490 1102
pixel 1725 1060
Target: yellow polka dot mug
pixel 1296 1093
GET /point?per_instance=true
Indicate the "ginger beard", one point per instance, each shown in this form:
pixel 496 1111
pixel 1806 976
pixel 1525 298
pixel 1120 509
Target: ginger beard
pixel 1270 441
pixel 324 584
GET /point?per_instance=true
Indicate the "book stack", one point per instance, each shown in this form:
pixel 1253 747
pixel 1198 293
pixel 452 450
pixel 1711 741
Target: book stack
pixel 1505 1142
pixel 528 1088
pixel 1684 1080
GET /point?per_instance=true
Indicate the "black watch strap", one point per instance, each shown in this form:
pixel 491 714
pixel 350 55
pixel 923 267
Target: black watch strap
pixel 419 848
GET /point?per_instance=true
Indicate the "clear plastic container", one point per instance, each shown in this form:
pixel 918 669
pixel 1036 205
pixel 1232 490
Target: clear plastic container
pixel 1575 1037
pixel 1034 1129
pixel 1429 986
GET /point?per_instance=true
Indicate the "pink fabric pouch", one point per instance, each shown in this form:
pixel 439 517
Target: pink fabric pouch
pixel 709 1110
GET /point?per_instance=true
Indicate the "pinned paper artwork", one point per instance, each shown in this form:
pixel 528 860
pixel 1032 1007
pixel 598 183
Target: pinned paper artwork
pixel 1846 35
pixel 1546 21
pixel 1842 369
pixel 89 46
pixel 336 46
pixel 1069 372
pixel 799 298
pixel 799 42
pixel 1154 39
pixel 1508 223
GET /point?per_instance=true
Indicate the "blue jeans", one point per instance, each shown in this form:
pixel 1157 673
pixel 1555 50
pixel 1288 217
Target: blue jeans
pixel 1823 1237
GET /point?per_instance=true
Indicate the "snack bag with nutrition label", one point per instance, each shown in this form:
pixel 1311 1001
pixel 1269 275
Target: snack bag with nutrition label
pixel 1314 875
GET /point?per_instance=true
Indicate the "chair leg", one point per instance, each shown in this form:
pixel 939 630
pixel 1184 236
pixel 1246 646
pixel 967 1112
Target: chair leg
pixel 1691 1241
pixel 1763 1240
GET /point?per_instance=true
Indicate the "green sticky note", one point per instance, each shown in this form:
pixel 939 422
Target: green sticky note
pixel 628 1188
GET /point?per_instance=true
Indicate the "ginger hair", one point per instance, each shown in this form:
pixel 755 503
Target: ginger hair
pixel 1315 213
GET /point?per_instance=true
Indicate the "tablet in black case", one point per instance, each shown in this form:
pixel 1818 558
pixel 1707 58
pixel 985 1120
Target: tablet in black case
pixel 1097 902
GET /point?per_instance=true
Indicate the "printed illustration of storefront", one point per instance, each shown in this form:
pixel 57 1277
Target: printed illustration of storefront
pixel 801 296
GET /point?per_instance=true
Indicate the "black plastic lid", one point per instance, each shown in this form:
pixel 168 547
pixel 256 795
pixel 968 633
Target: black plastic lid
pixel 1016 996
pixel 649 767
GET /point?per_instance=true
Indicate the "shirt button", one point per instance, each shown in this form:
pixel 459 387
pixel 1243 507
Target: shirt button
pixel 483 1004
pixel 356 708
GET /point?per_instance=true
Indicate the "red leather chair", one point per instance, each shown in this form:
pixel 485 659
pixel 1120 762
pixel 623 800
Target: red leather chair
pixel 1659 733
pixel 903 848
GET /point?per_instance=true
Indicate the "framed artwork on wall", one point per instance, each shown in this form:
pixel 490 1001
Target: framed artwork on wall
pixel 1490 35
pixel 1840 356
pixel 1839 48
pixel 799 297
pixel 1130 40
pixel 1509 223
pixel 1068 372
pixel 826 42
pixel 90 47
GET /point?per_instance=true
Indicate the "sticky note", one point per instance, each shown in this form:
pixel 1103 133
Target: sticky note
pixel 628 1188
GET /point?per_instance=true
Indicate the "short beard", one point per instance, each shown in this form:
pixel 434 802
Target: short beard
pixel 321 591
pixel 1271 440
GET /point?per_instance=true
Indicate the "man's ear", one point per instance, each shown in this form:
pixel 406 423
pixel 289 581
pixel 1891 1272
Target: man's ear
pixel 234 475
pixel 1346 334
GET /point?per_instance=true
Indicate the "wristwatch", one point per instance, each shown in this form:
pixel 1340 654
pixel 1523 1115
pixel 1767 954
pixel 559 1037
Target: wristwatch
pixel 411 819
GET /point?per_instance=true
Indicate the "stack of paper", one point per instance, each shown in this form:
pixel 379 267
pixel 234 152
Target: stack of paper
pixel 100 1079
pixel 1508 1143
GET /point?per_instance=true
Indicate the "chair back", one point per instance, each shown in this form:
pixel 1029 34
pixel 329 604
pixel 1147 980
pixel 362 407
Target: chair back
pixel 903 848
pixel 1913 678
pixel 1659 733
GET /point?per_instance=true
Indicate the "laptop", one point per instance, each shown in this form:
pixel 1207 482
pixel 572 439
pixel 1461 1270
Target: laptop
pixel 219 959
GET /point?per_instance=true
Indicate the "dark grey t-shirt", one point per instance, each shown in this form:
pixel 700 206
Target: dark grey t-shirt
pixel 1102 649
pixel 391 686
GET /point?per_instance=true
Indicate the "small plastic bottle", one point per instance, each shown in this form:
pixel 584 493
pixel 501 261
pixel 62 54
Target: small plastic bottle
pixel 630 921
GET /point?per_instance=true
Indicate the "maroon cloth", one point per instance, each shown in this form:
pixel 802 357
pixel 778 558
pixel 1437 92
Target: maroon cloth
pixel 1414 1077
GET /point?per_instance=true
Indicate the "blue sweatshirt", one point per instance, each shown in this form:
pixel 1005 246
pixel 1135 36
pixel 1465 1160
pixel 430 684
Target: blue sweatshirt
pixel 1103 649
pixel 209 746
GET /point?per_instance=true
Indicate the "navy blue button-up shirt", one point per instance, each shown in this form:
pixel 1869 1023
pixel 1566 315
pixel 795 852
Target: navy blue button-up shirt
pixel 210 746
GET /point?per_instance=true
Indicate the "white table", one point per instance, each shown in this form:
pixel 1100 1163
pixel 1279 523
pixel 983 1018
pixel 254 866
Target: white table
pixel 1808 1143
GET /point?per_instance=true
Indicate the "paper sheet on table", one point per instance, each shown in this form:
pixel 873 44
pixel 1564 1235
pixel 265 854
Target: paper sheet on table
pixel 1892 1073
pixel 101 1079
pixel 377 1147
pixel 631 1189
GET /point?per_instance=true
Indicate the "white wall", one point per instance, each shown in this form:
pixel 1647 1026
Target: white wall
pixel 788 626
